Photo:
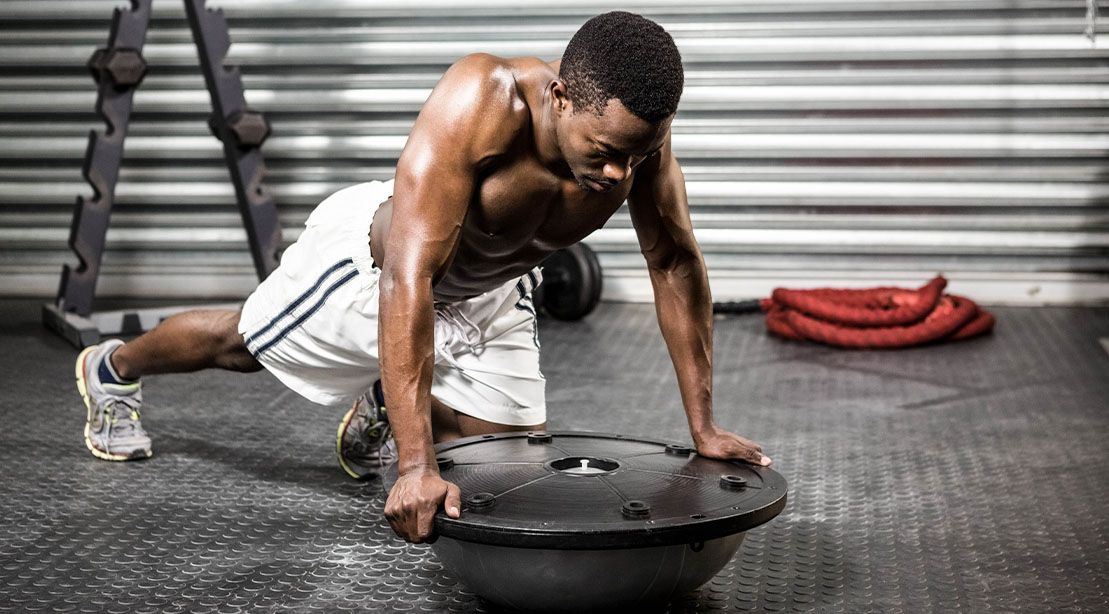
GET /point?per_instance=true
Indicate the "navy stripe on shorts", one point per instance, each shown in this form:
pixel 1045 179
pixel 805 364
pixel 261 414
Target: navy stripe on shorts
pixel 348 272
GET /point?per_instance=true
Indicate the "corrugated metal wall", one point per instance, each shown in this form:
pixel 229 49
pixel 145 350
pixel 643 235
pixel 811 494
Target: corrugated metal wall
pixel 824 141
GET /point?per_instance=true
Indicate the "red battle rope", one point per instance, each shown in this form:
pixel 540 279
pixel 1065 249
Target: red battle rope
pixel 875 317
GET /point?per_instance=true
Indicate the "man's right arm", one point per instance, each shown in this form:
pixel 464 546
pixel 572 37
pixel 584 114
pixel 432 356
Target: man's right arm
pixel 435 181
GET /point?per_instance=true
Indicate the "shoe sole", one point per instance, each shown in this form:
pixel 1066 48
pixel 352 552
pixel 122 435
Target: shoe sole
pixel 343 424
pixel 82 387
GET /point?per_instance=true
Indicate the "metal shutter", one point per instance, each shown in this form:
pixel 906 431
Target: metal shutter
pixel 824 141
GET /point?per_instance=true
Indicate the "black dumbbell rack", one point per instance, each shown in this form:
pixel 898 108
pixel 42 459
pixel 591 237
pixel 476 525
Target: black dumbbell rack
pixel 118 70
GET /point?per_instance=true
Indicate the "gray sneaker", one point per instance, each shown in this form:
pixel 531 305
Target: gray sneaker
pixel 365 442
pixel 112 427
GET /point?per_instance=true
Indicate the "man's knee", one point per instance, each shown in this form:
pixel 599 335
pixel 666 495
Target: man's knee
pixel 233 353
pixel 223 327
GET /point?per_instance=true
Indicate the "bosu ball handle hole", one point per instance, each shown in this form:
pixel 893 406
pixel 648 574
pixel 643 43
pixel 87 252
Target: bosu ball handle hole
pixel 677 449
pixel 481 501
pixel 540 438
pixel 636 509
pixel 733 482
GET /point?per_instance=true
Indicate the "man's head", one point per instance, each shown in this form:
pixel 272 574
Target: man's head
pixel 619 84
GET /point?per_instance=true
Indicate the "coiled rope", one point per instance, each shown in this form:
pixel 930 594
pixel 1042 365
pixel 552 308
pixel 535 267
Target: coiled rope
pixel 886 317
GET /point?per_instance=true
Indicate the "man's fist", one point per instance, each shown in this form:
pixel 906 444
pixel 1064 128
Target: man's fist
pixel 414 501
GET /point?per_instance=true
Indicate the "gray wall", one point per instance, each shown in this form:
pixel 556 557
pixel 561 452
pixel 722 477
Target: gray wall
pixel 825 142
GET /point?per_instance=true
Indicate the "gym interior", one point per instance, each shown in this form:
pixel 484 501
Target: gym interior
pixel 845 162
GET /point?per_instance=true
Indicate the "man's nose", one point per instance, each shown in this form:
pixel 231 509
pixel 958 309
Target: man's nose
pixel 616 172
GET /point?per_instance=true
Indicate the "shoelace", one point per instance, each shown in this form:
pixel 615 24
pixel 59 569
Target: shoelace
pixel 128 423
pixel 377 438
pixel 386 433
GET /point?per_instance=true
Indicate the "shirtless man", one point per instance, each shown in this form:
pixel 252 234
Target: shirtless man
pixel 509 160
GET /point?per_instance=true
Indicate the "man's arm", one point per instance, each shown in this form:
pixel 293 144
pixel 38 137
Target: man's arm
pixel 660 212
pixel 458 127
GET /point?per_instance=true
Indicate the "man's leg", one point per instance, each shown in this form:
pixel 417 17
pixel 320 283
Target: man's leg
pixel 448 424
pixel 500 386
pixel 187 342
pixel 365 445
pixel 108 375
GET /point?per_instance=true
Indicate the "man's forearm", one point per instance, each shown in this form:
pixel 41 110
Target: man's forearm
pixel 406 333
pixel 683 304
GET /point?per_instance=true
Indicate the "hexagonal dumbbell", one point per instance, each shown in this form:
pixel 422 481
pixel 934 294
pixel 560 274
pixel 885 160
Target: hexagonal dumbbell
pixel 248 127
pixel 121 67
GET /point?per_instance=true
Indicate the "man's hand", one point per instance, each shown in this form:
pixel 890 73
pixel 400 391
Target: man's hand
pixel 720 444
pixel 414 501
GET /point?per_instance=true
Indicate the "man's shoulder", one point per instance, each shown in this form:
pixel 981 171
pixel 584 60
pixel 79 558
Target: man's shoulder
pixel 486 97
pixel 480 65
pixel 486 83
pixel 491 71
pixel 480 108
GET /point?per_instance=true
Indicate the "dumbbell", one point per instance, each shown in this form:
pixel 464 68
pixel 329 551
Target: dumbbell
pixel 572 283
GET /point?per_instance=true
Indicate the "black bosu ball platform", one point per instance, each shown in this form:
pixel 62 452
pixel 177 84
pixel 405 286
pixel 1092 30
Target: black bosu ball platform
pixel 572 522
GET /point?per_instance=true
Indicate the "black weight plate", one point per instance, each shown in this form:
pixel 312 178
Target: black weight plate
pixel 596 273
pixel 572 282
pixel 542 497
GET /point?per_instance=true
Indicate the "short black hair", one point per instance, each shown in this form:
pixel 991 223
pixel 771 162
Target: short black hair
pixel 624 56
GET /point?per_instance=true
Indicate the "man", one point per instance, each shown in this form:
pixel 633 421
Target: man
pixel 429 277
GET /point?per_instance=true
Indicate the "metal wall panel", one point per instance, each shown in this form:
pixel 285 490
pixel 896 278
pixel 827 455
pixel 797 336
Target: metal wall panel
pixel 824 141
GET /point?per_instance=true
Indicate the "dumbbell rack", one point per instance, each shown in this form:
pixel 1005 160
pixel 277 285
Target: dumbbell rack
pixel 118 69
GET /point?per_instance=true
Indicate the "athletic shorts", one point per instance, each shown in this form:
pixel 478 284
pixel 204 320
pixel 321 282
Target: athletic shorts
pixel 313 323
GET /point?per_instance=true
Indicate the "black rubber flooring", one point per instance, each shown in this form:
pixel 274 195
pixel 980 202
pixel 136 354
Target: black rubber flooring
pixel 963 478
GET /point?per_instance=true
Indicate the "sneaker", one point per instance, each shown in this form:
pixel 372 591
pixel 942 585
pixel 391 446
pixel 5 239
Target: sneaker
pixel 112 427
pixel 365 442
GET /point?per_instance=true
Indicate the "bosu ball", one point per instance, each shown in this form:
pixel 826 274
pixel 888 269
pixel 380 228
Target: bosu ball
pixel 572 522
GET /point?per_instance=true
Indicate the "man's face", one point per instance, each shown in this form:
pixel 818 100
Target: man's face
pixel 602 151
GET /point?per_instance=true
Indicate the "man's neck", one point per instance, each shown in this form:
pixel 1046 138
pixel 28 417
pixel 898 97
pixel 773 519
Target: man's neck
pixel 546 137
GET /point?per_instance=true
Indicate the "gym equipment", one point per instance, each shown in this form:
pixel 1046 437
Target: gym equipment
pixel 123 67
pixel 118 69
pixel 575 521
pixel 888 317
pixel 737 307
pixel 572 283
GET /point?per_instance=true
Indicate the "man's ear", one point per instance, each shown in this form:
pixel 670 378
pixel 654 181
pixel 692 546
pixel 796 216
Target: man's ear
pixel 559 99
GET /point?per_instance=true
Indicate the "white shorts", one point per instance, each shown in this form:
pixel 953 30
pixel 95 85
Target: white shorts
pixel 313 323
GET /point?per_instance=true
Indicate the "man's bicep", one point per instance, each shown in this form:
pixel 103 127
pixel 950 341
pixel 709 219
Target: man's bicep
pixel 456 129
pixel 433 184
pixel 431 194
pixel 430 197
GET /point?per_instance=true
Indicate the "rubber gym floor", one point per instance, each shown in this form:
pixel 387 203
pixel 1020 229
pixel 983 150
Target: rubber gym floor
pixel 971 477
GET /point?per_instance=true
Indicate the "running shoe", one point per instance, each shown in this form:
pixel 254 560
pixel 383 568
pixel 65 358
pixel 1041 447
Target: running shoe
pixel 364 443
pixel 113 428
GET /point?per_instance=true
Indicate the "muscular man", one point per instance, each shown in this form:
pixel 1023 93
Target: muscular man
pixel 428 277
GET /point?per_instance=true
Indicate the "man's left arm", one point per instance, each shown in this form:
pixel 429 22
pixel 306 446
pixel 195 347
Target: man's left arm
pixel 683 303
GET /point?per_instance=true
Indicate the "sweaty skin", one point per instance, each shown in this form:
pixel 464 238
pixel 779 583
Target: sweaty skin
pixel 497 173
